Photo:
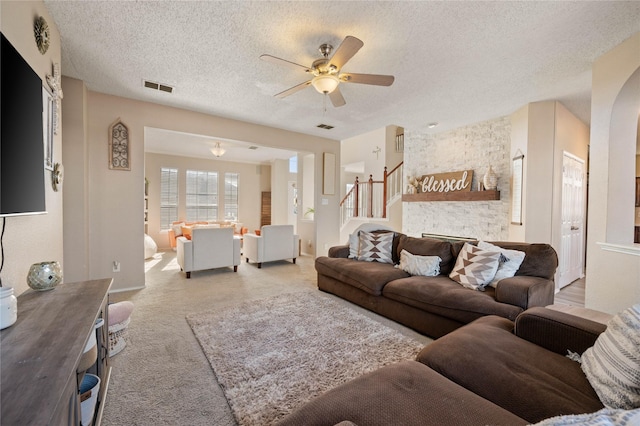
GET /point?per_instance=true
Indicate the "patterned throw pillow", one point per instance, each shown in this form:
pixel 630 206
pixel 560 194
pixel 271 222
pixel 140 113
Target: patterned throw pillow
pixel 428 266
pixel 612 364
pixel 354 239
pixel 475 268
pixel 375 247
pixel 510 261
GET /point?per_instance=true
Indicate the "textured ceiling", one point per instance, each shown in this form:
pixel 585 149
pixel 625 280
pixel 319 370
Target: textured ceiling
pixel 454 63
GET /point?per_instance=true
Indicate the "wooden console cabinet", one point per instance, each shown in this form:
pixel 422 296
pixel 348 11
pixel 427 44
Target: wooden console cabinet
pixel 39 354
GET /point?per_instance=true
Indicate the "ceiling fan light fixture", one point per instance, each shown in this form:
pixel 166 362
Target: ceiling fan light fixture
pixel 218 151
pixel 325 83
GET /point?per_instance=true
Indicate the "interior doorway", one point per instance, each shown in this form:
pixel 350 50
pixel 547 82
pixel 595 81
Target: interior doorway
pixel 572 251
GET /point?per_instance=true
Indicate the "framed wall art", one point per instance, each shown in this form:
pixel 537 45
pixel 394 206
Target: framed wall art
pixel 119 149
pixel 516 190
pixel 47 127
pixel 329 173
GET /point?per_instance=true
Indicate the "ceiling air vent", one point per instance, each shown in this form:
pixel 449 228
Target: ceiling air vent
pixel 158 86
pixel 325 126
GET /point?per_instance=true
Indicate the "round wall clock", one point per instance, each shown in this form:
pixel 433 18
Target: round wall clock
pixel 41 32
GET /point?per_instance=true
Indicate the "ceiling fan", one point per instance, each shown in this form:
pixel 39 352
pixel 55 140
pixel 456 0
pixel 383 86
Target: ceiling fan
pixel 326 71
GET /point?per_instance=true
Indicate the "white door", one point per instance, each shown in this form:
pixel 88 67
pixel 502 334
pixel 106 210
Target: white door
pixel 571 256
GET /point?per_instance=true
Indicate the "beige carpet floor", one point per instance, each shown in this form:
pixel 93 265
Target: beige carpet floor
pixel 162 377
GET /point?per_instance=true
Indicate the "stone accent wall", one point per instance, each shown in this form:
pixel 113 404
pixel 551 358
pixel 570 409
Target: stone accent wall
pixel 474 147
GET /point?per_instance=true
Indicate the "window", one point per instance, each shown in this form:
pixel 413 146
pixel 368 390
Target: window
pixel 231 196
pixel 168 197
pixel 293 164
pixel 202 195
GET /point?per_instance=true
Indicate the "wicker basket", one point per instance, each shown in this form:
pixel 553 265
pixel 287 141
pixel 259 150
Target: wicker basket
pixel 116 337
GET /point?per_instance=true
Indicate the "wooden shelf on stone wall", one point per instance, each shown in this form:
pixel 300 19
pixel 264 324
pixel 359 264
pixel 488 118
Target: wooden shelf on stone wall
pixel 453 196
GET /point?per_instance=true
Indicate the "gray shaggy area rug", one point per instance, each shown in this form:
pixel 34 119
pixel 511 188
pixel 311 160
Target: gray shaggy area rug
pixel 272 355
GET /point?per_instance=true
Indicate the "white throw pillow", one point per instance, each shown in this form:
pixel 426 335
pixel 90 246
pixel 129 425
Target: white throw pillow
pixel 428 266
pixel 603 417
pixel 475 268
pixel 354 240
pixel 376 247
pixel 612 364
pixel 509 262
pixel 177 229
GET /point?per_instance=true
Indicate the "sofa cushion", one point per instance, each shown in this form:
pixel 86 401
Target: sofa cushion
pixel 474 267
pixel 406 393
pixel 428 266
pixel 439 295
pixel 612 364
pixel 375 247
pixel 428 247
pixel 370 277
pixel 510 261
pixel 541 260
pixel 522 377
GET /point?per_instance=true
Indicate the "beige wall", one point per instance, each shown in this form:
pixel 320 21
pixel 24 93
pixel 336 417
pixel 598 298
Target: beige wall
pixel 533 134
pixel 249 181
pixel 613 261
pixel 31 239
pixel 361 149
pixel 543 132
pixel 115 199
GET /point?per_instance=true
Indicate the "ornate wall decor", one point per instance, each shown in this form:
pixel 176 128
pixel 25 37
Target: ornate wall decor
pixel 446 182
pixel 47 127
pixel 56 89
pixel 516 189
pixel 119 152
pixel 41 33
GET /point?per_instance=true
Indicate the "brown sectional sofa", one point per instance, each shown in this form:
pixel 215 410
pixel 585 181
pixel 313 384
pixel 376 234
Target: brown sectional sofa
pixel 490 372
pixel 437 305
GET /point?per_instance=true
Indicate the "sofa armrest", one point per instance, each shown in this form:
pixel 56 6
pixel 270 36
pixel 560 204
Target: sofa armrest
pixel 296 246
pixel 525 291
pixel 557 331
pixel 339 251
pixel 184 253
pixel 253 247
pixel 237 250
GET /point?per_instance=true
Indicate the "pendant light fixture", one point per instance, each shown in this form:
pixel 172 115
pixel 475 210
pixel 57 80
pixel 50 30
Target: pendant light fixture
pixel 218 151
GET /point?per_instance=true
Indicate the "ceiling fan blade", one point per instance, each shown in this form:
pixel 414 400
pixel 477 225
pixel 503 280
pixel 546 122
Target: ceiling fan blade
pixel 280 61
pixel 349 47
pixel 293 90
pixel 336 98
pixel 375 79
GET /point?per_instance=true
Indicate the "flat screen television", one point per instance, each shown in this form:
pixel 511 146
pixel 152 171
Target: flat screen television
pixel 22 182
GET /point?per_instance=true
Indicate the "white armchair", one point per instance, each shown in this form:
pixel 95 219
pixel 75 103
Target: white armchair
pixel 208 248
pixel 275 242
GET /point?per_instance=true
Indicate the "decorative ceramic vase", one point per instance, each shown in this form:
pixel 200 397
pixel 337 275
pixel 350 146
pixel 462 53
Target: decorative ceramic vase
pixel 8 307
pixel 44 275
pixel 490 180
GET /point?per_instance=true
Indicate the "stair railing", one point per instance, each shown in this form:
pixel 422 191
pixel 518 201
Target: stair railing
pixel 370 198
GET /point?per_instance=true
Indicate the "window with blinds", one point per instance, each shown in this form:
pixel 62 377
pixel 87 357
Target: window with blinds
pixel 231 196
pixel 202 195
pixel 168 197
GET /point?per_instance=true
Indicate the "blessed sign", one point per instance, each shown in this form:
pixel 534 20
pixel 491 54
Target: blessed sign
pixel 446 182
